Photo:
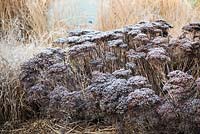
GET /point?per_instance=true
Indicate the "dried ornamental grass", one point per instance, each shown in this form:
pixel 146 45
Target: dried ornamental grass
pixel 118 13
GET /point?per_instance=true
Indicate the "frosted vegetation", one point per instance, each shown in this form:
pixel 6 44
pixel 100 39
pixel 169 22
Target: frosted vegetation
pixel 134 77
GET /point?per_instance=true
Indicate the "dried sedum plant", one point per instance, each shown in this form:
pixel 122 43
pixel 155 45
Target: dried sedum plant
pixel 138 77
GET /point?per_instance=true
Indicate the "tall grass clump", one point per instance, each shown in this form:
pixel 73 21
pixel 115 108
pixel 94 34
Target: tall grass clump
pixel 12 95
pixel 24 31
pixel 23 18
pixel 21 21
pixel 125 12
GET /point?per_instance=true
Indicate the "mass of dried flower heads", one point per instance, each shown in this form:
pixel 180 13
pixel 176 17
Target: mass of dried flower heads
pixel 138 77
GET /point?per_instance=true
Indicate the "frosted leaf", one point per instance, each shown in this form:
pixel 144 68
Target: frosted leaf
pixel 192 27
pixel 72 40
pixel 151 28
pixel 162 24
pixel 134 33
pixel 158 54
pixel 99 77
pixel 122 73
pixel 58 93
pixel 142 98
pixel 130 65
pixel 105 36
pixel 137 81
pixel 141 37
pixel 97 62
pixel 115 43
pixel 167 111
pixel 32 69
pixel 80 32
pixel 132 54
pixel 60 40
pixel 110 56
pixel 83 49
pixel 179 85
pixel 161 41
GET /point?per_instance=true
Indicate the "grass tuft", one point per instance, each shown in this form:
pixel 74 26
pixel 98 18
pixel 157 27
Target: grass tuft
pixel 126 12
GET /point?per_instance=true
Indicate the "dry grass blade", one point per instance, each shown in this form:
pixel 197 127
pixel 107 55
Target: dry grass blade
pixel 23 18
pixel 125 12
pixel 50 127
